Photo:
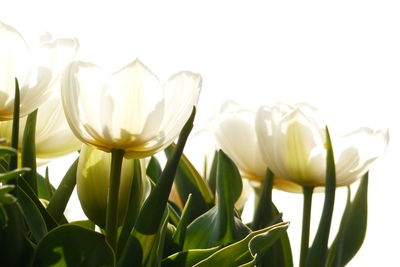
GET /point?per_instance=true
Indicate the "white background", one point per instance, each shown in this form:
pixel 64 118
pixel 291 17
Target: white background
pixel 342 56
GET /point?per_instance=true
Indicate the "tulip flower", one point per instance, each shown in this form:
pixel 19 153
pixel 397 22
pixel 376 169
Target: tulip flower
pixel 37 76
pixel 235 133
pixel 92 182
pixel 292 142
pixel 128 110
pixel 128 113
pixel 53 137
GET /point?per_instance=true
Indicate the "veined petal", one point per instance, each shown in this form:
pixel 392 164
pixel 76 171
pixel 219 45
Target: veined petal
pixel 54 138
pixel 357 151
pixel 181 93
pixel 45 79
pixel 82 94
pixel 235 132
pixel 300 140
pixel 134 105
pixel 14 63
pixel 266 124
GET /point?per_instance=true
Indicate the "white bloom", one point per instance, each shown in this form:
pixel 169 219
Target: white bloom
pixel 293 146
pixel 129 109
pixel 235 133
pixel 53 136
pixel 37 76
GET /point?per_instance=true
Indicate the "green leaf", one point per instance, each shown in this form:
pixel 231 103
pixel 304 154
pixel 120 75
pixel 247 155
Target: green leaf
pixel 189 181
pixel 179 235
pixel 16 250
pixel 156 252
pixel 45 189
pixel 7 151
pixel 13 164
pixel 174 216
pixel 6 198
pixel 12 175
pixel 212 178
pixel 28 155
pixel 143 237
pixel 33 217
pixel 266 214
pixel 244 251
pixel 61 196
pixel 154 169
pixel 50 222
pixel 135 202
pixel 353 227
pixel 317 253
pixel 72 245
pixel 219 226
pixel 263 213
pixel 85 224
pixel 188 258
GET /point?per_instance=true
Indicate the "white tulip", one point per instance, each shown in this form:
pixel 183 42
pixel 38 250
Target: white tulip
pixel 53 137
pixel 128 110
pixel 293 145
pixel 36 76
pixel 235 133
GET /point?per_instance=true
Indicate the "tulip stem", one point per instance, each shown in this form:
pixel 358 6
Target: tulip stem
pixel 305 232
pixel 117 156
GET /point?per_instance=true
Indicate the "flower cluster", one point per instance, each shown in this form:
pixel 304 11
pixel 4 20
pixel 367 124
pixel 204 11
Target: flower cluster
pixel 138 212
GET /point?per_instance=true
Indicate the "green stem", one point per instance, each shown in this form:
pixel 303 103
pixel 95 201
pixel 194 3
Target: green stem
pixel 117 156
pixel 305 232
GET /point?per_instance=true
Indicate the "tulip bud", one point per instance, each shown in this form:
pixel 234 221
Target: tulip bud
pixel 92 184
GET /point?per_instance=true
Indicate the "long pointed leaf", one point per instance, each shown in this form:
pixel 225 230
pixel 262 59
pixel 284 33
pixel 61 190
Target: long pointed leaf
pixel 245 250
pixel 144 233
pixel 61 196
pixel 317 253
pixel 352 227
pixel 50 222
pixel 135 202
pixel 13 164
pixel 28 156
pixel 189 181
pixel 179 235
pixel 219 226
pixel 33 217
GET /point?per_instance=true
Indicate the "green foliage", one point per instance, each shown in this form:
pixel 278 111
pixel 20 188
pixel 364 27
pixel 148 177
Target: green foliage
pixel 28 155
pixel 61 196
pixel 208 231
pixel 189 181
pixel 318 251
pixel 145 234
pixel 353 227
pixel 219 226
pixel 62 248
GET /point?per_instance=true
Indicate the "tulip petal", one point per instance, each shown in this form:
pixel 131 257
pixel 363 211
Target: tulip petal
pixel 357 151
pixel 53 135
pixel 134 101
pixel 181 93
pixel 82 91
pixel 236 137
pixel 14 63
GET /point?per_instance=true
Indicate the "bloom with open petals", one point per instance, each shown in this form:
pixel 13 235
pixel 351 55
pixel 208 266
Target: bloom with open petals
pixel 53 137
pixel 130 109
pixel 292 142
pixel 234 130
pixel 37 74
